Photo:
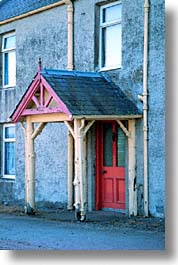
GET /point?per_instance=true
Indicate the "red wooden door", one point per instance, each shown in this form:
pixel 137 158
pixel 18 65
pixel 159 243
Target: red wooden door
pixel 110 166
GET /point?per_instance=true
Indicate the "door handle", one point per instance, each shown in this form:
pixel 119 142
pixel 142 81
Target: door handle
pixel 103 171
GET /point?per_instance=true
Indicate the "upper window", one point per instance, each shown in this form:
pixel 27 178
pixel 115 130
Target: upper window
pixel 9 60
pixel 9 151
pixel 110 36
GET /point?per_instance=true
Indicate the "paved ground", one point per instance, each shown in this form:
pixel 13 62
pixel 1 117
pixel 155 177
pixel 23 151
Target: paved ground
pixel 58 230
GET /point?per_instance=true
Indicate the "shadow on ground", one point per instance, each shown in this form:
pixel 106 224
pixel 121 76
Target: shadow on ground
pixel 104 218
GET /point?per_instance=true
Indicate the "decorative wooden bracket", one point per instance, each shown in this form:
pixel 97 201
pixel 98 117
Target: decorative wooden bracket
pixel 70 128
pixel 88 126
pixel 127 133
pixel 38 130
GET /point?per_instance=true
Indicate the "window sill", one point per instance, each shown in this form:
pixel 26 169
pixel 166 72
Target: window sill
pixel 110 68
pixel 7 178
pixel 8 87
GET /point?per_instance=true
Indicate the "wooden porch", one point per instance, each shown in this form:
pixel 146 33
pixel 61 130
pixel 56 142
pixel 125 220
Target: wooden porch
pixel 42 103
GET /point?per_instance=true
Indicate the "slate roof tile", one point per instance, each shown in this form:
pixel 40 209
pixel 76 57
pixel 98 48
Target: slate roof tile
pixel 89 93
pixel 13 8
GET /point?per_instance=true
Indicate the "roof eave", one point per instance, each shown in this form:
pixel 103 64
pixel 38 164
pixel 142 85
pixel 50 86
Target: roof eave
pixel 32 12
pixel 108 117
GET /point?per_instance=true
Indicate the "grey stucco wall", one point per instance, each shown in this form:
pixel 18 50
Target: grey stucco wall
pixel 130 79
pixel 84 26
pixel 157 108
pixel 45 35
pixel 51 164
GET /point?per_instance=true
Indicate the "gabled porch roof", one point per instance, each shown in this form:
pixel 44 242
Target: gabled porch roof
pixel 78 99
pixel 75 94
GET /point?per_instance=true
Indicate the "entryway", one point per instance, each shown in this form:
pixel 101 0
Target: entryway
pixel 110 157
pixel 79 100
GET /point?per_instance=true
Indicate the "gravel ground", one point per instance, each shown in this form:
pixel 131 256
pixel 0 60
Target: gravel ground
pixel 58 230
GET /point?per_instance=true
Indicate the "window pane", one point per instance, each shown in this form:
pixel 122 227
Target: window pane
pixel 103 59
pixel 10 132
pixel 6 67
pixel 10 68
pixel 120 148
pixel 113 36
pixel 107 145
pixel 9 42
pixel 112 13
pixel 9 156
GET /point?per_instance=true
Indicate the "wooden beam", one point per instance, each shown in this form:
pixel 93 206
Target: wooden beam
pixel 81 167
pixel 131 170
pixel 90 123
pixel 123 128
pixel 48 101
pixel 70 128
pixel 35 100
pixel 108 117
pixel 38 130
pixel 76 177
pixel 80 179
pixel 30 168
pixel 85 172
pixel 50 117
pixel 70 171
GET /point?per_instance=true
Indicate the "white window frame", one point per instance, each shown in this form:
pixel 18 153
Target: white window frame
pixel 4 51
pixel 105 25
pixel 6 140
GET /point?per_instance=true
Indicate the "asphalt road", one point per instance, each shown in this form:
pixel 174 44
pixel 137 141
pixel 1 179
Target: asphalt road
pixel 34 233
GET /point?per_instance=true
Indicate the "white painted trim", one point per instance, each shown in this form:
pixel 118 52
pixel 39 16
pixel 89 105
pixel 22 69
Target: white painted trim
pixel 101 27
pixel 5 51
pixel 11 34
pixel 111 4
pixel 112 67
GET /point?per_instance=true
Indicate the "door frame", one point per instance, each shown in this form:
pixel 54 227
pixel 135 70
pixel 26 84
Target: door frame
pixel 130 185
pixel 99 162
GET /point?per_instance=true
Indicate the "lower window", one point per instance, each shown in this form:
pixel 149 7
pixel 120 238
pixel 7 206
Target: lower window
pixel 9 151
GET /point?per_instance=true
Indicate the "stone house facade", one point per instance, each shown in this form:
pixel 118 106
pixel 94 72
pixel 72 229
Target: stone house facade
pixel 109 42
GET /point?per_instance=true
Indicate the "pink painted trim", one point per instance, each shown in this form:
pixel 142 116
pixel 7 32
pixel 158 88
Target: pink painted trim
pixel 56 97
pixel 42 107
pixel 35 100
pixel 26 99
pixel 41 94
pixel 48 101
pixel 27 112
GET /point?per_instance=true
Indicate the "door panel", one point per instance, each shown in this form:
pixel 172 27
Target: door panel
pixel 120 148
pixel 107 145
pixel 111 169
pixel 120 191
pixel 108 190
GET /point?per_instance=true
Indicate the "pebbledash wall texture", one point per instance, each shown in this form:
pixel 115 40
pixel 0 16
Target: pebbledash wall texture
pixel 45 35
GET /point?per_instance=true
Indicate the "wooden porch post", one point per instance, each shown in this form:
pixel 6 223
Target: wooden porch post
pixel 30 135
pixel 82 170
pixel 30 168
pixel 80 131
pixel 70 171
pixel 131 169
pixel 76 178
pixel 85 171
